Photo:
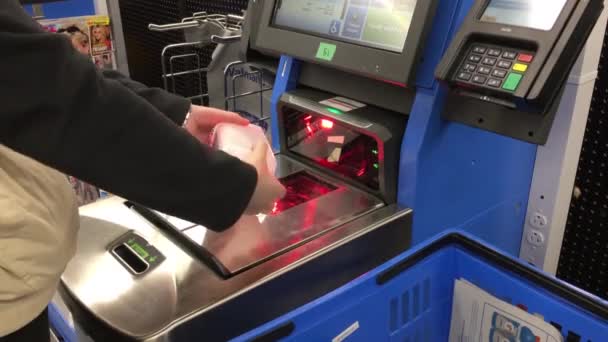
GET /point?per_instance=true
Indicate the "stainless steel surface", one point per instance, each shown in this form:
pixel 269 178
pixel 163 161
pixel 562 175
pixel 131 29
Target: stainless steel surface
pixel 225 40
pixel 223 25
pixel 277 233
pixel 173 26
pixel 182 288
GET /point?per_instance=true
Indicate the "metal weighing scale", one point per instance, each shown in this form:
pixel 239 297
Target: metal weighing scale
pixel 143 275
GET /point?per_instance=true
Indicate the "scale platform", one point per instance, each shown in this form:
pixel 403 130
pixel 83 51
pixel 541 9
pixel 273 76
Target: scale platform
pixel 142 275
pixel 312 206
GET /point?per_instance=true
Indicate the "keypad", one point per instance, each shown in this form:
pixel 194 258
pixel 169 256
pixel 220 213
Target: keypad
pixel 525 57
pixel 504 64
pixel 509 55
pixel 465 76
pixel 479 79
pixel 480 49
pixel 470 67
pixel 499 73
pixel 494 52
pixel 484 70
pixel 494 83
pixel 489 61
pixel 474 58
pixel 520 67
pixel 512 82
pixel 494 67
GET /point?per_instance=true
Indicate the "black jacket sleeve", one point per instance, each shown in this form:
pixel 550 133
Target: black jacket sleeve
pixel 173 106
pixel 56 107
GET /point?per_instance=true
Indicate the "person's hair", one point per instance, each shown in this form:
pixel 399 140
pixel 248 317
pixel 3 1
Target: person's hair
pixel 71 30
pixel 104 32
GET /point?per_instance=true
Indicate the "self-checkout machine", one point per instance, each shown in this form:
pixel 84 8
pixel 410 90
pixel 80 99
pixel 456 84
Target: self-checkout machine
pixel 140 274
pixel 361 126
pixel 470 145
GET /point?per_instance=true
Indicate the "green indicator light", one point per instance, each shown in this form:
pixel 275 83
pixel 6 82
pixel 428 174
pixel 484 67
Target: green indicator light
pixel 334 111
pixel 375 152
pixel 376 165
pixel 140 250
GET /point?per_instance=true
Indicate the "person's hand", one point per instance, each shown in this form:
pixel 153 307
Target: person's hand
pixel 202 120
pixel 268 189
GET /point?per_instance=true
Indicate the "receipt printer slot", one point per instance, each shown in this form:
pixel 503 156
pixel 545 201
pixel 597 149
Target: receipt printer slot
pixel 129 258
pixel 135 254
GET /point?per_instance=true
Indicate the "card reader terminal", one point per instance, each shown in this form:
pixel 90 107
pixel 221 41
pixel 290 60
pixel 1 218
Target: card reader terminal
pixel 507 66
pixel 494 68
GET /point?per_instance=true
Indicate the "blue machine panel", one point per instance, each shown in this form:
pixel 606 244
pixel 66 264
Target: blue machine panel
pixel 286 80
pixel 454 176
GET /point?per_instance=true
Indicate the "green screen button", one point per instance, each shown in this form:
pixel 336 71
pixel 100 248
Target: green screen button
pixel 326 52
pixel 512 82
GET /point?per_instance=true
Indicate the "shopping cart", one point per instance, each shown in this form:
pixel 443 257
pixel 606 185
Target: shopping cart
pixel 211 48
pixel 409 299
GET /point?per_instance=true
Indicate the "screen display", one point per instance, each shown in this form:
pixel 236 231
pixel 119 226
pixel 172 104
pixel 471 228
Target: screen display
pixel 534 14
pixel 382 24
pixel 333 146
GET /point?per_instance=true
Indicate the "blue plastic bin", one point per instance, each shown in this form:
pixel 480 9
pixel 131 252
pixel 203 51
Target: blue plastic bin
pixel 410 298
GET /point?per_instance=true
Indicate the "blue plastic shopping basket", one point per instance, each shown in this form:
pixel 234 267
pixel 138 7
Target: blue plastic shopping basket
pixel 410 298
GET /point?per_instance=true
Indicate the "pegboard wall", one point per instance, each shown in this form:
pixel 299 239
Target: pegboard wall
pixel 584 257
pixel 144 47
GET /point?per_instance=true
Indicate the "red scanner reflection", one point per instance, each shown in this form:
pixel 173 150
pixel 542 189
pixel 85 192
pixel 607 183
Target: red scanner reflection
pixel 334 146
pixel 300 188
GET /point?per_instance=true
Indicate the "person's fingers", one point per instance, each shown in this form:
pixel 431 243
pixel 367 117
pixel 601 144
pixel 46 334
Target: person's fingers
pixel 234 118
pixel 213 116
pixel 218 116
pixel 259 152
pixel 280 189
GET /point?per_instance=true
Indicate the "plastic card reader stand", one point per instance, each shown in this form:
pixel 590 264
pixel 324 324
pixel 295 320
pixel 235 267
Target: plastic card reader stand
pixel 507 68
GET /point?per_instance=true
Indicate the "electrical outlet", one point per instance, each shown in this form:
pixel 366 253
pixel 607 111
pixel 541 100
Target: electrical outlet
pixel 539 221
pixel 536 238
